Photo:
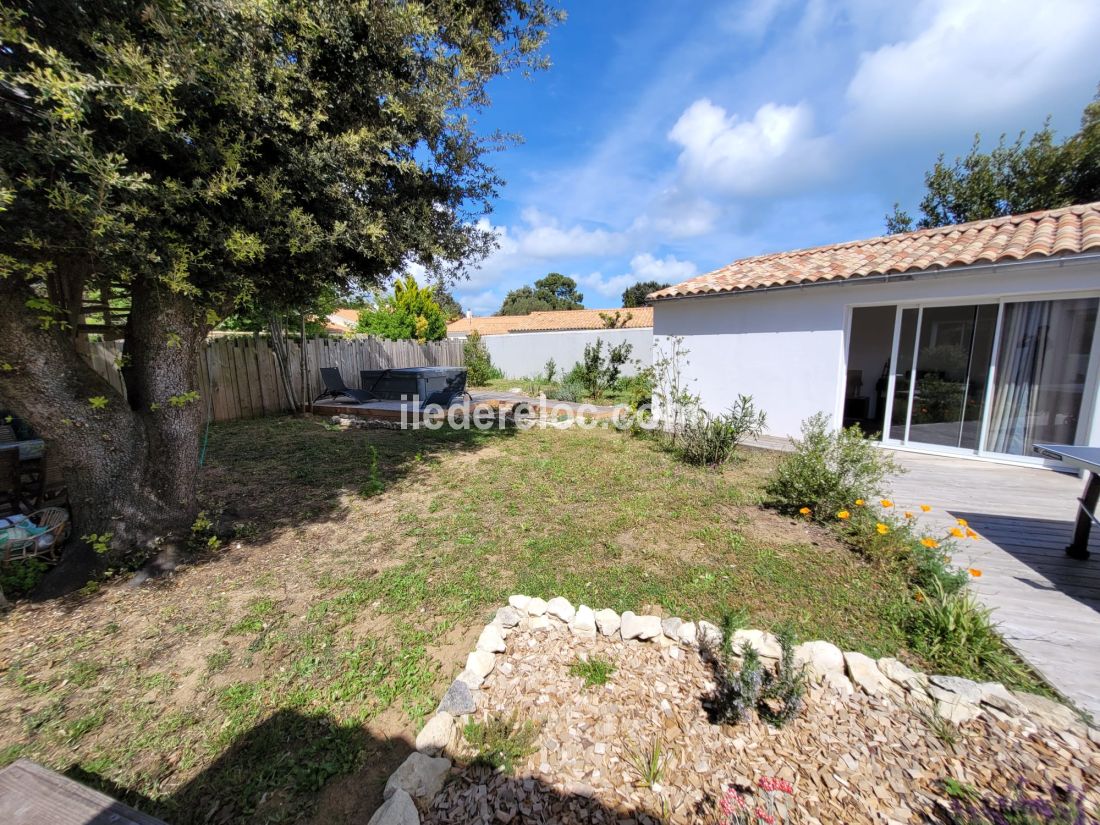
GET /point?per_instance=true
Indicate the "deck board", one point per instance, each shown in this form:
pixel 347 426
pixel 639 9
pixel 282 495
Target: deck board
pixel 33 795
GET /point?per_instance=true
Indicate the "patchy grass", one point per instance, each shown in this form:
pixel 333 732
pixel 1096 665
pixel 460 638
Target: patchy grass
pixel 279 677
pixel 501 741
pixel 594 671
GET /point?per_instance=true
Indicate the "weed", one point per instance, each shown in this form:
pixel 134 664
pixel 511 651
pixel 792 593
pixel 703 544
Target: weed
pixel 941 728
pixel 500 742
pixel 374 484
pixel 648 761
pixel 219 660
pixel 712 439
pixel 594 671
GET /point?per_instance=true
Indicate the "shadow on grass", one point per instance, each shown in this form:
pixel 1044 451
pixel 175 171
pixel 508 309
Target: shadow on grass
pixel 299 768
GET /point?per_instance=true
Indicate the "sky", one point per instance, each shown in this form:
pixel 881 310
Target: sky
pixel 671 138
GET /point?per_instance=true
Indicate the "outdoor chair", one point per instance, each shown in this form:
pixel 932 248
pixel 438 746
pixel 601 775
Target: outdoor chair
pixel 336 388
pixel 40 533
pixel 47 485
pixel 11 480
pixel 7 434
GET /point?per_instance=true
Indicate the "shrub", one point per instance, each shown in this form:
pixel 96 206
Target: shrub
pixel 550 370
pixel 479 366
pixel 21 576
pixel 712 439
pixel 778 696
pixel 1028 806
pixel 829 469
pixel 500 742
pixel 570 390
pixel 598 371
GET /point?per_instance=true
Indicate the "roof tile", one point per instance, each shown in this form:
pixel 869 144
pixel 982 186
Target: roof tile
pixel 551 321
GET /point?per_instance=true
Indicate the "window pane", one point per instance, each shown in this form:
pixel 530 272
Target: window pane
pixel 902 373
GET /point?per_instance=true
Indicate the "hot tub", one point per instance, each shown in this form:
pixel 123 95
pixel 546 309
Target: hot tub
pixel 431 385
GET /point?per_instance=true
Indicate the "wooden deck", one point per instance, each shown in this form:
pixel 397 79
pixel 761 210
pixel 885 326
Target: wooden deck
pixel 33 795
pixel 504 402
pixel 1046 604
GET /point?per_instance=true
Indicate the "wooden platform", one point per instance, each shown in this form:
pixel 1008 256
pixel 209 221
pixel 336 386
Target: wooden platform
pixel 503 402
pixel 1047 604
pixel 33 795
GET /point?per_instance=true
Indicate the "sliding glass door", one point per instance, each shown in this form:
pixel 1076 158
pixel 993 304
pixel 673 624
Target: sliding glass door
pixel 990 377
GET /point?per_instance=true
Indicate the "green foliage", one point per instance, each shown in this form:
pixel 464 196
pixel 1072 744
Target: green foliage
pixel 1029 804
pixel 594 670
pixel 1012 178
pixel 747 687
pixel 373 484
pixel 204 532
pixel 673 399
pixel 411 312
pixel 550 369
pixel 100 542
pixel 451 308
pixel 711 440
pixel 634 296
pixel 501 741
pixel 21 576
pixel 570 390
pixel 599 370
pixel 648 762
pixel 829 469
pixel 479 366
pixel 555 291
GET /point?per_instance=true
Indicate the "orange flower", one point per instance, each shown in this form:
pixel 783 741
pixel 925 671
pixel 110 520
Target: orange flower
pixel 909 514
pixel 918 596
pixel 975 572
pixel 886 503
pixel 928 541
pixel 924 508
pixel 882 529
pixel 957 532
pixel 970 534
pixel 961 522
pixel 859 502
pixel 843 514
pixel 805 511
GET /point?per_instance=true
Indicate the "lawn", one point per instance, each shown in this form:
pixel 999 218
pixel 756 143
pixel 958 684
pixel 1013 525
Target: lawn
pixel 283 676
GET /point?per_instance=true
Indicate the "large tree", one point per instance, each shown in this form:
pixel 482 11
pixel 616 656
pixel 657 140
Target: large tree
pixel 165 164
pixel 634 296
pixel 554 291
pixel 1012 178
pixel 410 312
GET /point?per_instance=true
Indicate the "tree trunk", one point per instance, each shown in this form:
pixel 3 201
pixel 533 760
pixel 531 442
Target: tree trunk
pixel 130 467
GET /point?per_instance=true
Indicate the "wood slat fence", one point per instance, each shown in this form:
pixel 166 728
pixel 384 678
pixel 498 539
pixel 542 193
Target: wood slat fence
pixel 239 376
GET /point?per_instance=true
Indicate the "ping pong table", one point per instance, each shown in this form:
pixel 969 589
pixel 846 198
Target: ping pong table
pixel 1087 459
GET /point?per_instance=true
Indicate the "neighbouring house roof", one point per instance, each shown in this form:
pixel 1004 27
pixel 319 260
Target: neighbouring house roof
pixel 342 320
pixel 1036 235
pixel 556 320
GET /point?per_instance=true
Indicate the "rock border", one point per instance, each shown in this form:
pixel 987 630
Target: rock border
pixel 951 698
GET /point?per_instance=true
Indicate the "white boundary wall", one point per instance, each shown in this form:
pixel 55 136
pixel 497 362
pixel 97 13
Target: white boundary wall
pixel 788 348
pixel 524 354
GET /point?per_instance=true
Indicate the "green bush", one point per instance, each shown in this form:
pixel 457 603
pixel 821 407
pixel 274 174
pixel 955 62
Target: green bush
pixel 599 371
pixel 712 439
pixel 500 742
pixel 829 469
pixel 20 577
pixel 410 313
pixel 479 366
pixel 748 687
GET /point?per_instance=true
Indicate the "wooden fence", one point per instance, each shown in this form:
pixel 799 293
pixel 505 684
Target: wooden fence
pixel 239 377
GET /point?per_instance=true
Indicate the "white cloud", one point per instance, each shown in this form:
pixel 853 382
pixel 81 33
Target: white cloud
pixel 544 237
pixel 675 214
pixel 974 60
pixel 643 267
pixel 772 152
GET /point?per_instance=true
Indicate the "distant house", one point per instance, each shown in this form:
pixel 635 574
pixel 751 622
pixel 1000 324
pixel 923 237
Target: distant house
pixel 978 339
pixel 342 321
pixel 521 345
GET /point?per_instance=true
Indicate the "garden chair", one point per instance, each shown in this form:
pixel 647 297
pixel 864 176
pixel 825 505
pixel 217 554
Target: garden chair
pixel 40 533
pixel 47 486
pixel 11 480
pixel 7 434
pixel 336 388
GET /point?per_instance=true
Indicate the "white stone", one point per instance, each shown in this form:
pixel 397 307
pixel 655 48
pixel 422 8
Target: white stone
pixel 966 689
pixel 540 622
pixel 470 679
pixel 399 809
pixel 437 735
pixel 491 640
pixel 838 683
pixel 900 674
pixel 584 622
pixel 607 621
pixel 507 617
pixel 865 674
pixel 671 627
pixel 561 608
pixel 955 709
pixel 639 627
pixel 481 663
pixel 519 602
pixel 819 658
pixel 536 607
pixel 997 696
pixel 1050 713
pixel 420 776
pixel 710 635
pixel 460 697
pixel 686 633
pixel 763 643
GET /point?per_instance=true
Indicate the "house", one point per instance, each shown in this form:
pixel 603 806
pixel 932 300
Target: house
pixel 342 321
pixel 521 345
pixel 976 340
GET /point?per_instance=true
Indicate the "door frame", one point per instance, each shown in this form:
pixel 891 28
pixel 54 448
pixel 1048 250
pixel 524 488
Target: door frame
pixel 1088 420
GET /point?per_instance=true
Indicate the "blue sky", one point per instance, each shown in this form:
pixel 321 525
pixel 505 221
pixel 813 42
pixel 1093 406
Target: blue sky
pixel 670 138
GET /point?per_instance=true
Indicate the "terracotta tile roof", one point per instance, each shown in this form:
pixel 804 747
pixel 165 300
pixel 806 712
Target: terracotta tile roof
pixel 342 320
pixel 558 320
pixel 1066 231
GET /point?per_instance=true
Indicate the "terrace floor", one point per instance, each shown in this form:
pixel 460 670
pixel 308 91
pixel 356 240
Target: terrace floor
pixel 1047 604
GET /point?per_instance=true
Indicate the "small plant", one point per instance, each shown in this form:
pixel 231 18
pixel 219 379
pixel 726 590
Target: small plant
pixel 501 742
pixel 594 671
pixel 374 484
pixel 829 469
pixel 204 532
pixel 550 370
pixel 712 439
pixel 21 576
pixel 100 542
pixel 750 687
pixel 479 366
pixel 673 400
pixel 763 807
pixel 598 371
pixel 648 762
pixel 941 728
pixel 570 390
pixel 1030 805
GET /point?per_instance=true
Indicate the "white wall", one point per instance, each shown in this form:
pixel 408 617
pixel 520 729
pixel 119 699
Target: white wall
pixel 787 348
pixel 524 354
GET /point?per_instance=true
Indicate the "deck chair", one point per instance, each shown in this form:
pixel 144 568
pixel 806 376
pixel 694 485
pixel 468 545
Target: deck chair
pixel 336 388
